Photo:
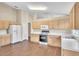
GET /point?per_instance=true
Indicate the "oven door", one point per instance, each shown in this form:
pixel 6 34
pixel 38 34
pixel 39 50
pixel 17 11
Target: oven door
pixel 43 38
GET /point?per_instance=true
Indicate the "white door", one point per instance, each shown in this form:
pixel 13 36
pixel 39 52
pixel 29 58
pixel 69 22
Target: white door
pixel 24 31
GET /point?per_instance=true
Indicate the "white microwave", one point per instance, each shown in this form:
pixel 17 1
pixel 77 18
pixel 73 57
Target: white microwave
pixel 44 27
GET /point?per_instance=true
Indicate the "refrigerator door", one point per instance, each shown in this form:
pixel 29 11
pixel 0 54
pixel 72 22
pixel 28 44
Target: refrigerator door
pixel 15 31
pixel 18 32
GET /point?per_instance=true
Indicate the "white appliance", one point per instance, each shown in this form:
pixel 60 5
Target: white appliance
pixel 15 31
pixel 44 27
pixel 44 33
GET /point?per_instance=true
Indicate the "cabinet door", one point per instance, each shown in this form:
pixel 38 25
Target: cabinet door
pixel 36 25
pixel 77 16
pixel 5 40
pixel 34 38
pixel 4 24
pixel 50 24
pixel 64 24
pixel 54 41
pixel 53 24
pixel 61 24
pixel 67 24
pixel 74 16
pixel 0 40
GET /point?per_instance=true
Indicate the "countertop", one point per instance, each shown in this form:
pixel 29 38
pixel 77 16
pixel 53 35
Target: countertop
pixel 48 33
pixel 65 40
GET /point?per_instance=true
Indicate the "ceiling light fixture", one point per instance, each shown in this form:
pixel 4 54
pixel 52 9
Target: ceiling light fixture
pixel 37 7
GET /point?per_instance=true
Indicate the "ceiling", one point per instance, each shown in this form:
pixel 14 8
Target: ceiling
pixel 53 8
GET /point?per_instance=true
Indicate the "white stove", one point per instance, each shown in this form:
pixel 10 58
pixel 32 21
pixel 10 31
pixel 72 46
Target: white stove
pixel 43 43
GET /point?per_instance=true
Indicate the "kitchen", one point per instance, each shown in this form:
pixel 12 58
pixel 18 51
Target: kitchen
pixel 47 27
pixel 62 31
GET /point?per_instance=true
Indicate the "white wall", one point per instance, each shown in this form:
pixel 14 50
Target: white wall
pixel 15 16
pixel 7 13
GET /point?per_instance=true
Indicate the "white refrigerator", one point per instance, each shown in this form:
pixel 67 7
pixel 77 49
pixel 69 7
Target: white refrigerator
pixel 15 31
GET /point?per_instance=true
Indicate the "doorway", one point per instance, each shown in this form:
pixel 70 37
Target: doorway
pixel 29 30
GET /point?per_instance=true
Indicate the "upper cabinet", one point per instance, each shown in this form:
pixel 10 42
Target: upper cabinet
pixel 55 23
pixel 61 24
pixel 4 24
pixel 74 16
pixel 37 24
pixel 65 22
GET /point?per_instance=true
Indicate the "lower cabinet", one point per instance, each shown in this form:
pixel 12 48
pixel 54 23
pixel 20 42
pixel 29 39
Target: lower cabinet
pixel 34 38
pixel 54 41
pixel 4 40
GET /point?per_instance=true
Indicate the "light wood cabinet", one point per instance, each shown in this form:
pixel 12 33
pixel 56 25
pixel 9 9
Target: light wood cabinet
pixel 54 40
pixel 61 24
pixel 57 23
pixel 4 40
pixel 53 24
pixel 66 52
pixel 4 24
pixel 64 24
pixel 74 16
pixel 34 38
pixel 36 25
